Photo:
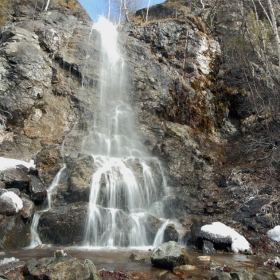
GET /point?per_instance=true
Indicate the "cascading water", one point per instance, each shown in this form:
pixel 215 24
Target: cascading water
pixel 35 238
pixel 127 184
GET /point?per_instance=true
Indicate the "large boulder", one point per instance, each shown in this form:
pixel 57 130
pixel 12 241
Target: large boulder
pixel 13 232
pixel 10 203
pixel 220 234
pixel 37 190
pixel 62 266
pixel 69 221
pixel 11 269
pixel 169 255
pixel 15 177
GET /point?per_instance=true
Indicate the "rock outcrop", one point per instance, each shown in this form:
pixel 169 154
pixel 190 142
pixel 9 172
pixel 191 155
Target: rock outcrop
pixel 194 107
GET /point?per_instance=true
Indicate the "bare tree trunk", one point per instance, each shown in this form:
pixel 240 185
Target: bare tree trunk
pixel 149 2
pixel 47 6
pixel 272 20
pixel 125 10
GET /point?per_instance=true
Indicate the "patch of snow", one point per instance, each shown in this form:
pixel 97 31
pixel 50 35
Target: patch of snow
pixel 8 260
pixel 220 230
pixel 8 163
pixel 274 233
pixel 15 199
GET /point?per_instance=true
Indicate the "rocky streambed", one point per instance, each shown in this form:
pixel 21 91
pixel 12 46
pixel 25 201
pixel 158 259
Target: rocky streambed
pixel 81 263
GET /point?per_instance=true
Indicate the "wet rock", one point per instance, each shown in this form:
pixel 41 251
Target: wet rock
pixel 80 171
pixel 36 189
pixel 170 234
pixel 204 258
pixel 15 177
pixel 28 208
pixel 136 257
pixel 169 255
pixel 208 247
pixel 10 203
pixel 54 268
pixel 48 162
pixel 184 271
pixel 69 221
pixel 152 225
pixel 94 274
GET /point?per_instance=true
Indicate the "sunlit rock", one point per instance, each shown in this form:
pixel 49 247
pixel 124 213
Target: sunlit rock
pixel 169 255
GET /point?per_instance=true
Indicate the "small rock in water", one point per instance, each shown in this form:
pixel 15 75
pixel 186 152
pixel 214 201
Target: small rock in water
pixel 208 247
pixel 184 271
pixel 136 257
pixel 204 258
pixel 59 254
pixel 169 255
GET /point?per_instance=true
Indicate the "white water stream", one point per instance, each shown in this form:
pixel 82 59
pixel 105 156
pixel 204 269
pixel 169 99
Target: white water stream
pixel 35 238
pixel 128 184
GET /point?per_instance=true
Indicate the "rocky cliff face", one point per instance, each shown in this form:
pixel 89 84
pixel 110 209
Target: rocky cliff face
pixel 194 112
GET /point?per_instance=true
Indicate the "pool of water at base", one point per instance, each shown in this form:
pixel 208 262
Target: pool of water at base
pixel 114 258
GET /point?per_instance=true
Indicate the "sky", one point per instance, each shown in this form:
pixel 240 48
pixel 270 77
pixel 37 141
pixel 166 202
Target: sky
pixel 98 7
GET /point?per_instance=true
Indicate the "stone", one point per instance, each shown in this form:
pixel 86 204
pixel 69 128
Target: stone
pixel 10 203
pixel 208 247
pixel 37 191
pixel 12 270
pixel 136 257
pixel 69 221
pixel 15 177
pixel 64 267
pixel 184 271
pixel 28 208
pixel 169 255
pixel 13 232
pixel 204 258
pixel 16 191
pixel 94 274
pixel 170 234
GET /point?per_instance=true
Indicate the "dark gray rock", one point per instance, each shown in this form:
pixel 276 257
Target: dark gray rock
pixel 152 225
pixel 208 247
pixel 69 221
pixel 28 207
pixel 13 232
pixel 36 189
pixel 15 177
pixel 169 255
pixel 80 171
pixel 170 234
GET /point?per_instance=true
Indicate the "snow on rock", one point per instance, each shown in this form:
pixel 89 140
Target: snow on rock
pixel 8 163
pixel 8 260
pixel 220 231
pixel 10 198
pixel 274 233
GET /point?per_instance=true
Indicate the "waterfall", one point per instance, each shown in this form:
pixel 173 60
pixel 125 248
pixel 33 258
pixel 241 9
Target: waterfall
pixel 128 184
pixel 35 238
